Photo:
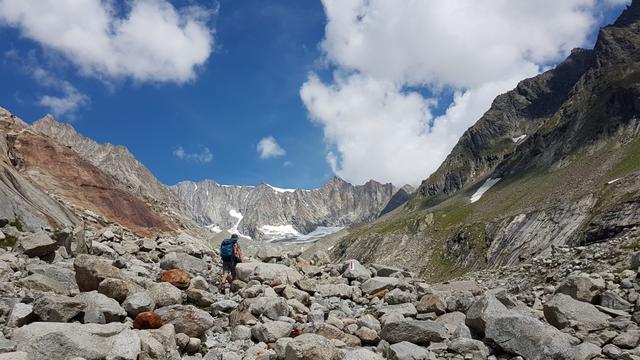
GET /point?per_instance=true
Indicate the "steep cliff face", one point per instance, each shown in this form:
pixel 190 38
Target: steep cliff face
pixel 130 174
pixel 267 213
pixel 20 201
pixel 556 161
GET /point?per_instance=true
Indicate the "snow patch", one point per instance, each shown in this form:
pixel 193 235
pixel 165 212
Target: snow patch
pixel 519 138
pixel 614 181
pixel 279 231
pixel 234 229
pixel 484 188
pixel 214 228
pixel 315 235
pixel 279 190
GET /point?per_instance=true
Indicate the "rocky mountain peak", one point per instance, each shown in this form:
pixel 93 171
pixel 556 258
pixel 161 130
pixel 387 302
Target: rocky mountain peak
pixel 630 15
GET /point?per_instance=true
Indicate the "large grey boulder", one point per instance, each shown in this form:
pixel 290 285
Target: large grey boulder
pixel 562 310
pixel 407 351
pixel 414 331
pixel 165 294
pixel 186 319
pixel 455 324
pixel 361 354
pixel 21 314
pixel 343 291
pixel 271 331
pixel 92 270
pixel 376 284
pixel 407 309
pixel 271 307
pixel 38 244
pixel 183 261
pixel 110 308
pixel 581 287
pixel 353 270
pixel 57 308
pixel 517 333
pixel 311 347
pixel 137 303
pixel 44 283
pixel 118 289
pixel 267 273
pixel 62 341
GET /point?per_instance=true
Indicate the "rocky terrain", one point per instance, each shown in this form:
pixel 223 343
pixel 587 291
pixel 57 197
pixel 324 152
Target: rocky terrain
pixel 268 213
pixel 555 161
pixel 109 294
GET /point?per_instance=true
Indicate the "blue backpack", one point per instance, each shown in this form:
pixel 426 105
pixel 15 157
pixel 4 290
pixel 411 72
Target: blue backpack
pixel 226 250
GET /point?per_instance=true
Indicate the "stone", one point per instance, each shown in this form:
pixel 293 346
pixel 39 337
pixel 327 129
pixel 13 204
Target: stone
pixel 397 296
pixel 432 303
pixel 110 308
pixel 367 336
pixel 587 351
pixel 20 315
pixel 200 298
pixel 118 289
pixel 361 354
pixel 291 292
pixel 455 324
pixel 186 319
pixel 92 270
pixel 193 346
pixel 137 303
pixel 353 270
pixel 581 287
pixel 241 332
pixel 165 294
pixel 469 347
pixel 515 332
pixel 223 306
pixel 377 284
pixel 176 277
pixel 407 351
pixel 39 244
pixel 635 261
pixel 62 341
pixel 43 283
pixel 57 308
pixel 266 272
pixel 407 309
pixel 627 340
pixel 311 347
pixel 273 308
pixel 343 291
pixel 611 300
pixel 562 310
pixel 16 355
pixel 414 331
pixel 271 331
pixel 268 253
pixel 183 261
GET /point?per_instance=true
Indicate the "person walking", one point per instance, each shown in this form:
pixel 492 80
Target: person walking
pixel 231 255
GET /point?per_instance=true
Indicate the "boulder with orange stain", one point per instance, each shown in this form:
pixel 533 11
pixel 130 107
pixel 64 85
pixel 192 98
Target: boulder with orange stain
pixel 147 320
pixel 176 277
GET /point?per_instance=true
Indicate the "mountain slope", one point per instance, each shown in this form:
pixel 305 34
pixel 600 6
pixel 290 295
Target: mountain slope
pixel 269 213
pixel 501 196
pixel 118 162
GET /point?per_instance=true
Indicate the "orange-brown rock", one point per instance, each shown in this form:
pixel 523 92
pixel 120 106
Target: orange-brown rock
pixel 147 320
pixel 380 294
pixel 176 277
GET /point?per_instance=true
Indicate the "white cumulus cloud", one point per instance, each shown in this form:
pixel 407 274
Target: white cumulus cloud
pixel 269 148
pixel 204 156
pixel 376 119
pixel 150 41
pixel 66 104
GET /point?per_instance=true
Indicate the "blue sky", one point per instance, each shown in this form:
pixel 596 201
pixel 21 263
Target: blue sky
pixel 248 88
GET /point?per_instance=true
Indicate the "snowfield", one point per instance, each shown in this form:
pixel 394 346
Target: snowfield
pixel 484 188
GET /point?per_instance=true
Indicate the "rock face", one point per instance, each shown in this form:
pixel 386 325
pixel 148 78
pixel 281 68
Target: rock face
pixel 497 198
pixel 60 341
pixel 264 208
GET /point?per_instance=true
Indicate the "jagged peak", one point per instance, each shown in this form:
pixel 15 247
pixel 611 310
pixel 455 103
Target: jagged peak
pixel 630 15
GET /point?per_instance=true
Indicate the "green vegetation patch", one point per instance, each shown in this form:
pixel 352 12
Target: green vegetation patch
pixel 630 162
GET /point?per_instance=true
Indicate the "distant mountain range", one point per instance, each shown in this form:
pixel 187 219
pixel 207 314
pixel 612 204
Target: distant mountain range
pixel 53 176
pixel 269 213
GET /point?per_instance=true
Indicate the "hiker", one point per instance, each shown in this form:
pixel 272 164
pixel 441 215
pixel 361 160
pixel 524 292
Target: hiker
pixel 231 255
